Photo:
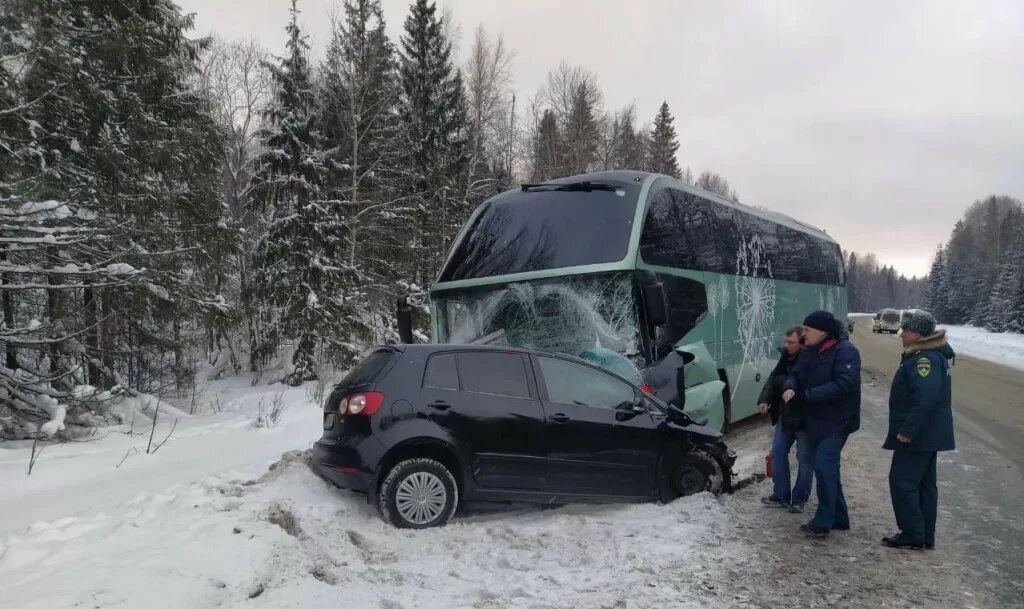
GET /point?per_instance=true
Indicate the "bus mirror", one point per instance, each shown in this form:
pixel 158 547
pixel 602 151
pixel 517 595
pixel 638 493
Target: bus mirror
pixel 655 304
pixel 403 316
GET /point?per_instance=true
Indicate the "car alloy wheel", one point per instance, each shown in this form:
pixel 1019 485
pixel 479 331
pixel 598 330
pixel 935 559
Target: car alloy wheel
pixel 418 494
pixel 420 497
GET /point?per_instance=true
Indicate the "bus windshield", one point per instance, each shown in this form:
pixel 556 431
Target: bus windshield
pixel 545 228
pixel 589 316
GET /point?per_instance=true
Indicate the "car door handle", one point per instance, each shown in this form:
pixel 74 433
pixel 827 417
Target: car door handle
pixel 440 405
pixel 558 417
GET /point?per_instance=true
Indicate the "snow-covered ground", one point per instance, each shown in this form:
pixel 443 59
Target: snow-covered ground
pixel 1001 347
pixel 203 523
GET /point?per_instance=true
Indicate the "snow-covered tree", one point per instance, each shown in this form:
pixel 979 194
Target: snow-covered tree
pixel 366 175
pixel 546 148
pixel 111 203
pixel 936 290
pixel 301 277
pixel 664 144
pixel 433 109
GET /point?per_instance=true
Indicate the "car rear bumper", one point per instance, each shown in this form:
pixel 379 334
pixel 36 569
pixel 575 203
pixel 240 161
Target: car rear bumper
pixel 344 466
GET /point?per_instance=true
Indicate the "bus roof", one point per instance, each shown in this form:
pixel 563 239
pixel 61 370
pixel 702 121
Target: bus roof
pixel 623 175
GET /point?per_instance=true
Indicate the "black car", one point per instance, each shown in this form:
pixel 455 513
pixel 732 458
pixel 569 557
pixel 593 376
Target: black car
pixel 419 428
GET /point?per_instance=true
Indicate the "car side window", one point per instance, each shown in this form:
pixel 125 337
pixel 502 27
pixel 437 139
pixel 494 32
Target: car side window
pixel 494 373
pixel 571 383
pixel 441 372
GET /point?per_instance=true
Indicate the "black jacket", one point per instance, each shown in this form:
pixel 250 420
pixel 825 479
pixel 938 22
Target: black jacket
pixel 771 393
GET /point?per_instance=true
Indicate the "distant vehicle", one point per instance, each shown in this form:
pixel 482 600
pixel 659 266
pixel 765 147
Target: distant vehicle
pixel 637 272
pixel 886 320
pixel 422 428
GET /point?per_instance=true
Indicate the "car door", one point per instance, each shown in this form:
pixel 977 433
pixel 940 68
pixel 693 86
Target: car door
pixel 487 403
pixel 596 443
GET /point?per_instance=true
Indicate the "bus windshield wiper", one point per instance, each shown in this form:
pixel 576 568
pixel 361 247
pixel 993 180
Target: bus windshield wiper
pixel 572 187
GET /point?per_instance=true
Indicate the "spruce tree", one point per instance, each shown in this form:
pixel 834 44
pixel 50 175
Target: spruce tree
pixel 546 147
pixel 580 133
pixel 109 179
pixel 936 290
pixel 306 287
pixel 433 110
pixel 664 144
pixel 365 177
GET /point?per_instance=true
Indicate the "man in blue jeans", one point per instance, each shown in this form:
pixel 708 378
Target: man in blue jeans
pixel 788 422
pixel 826 381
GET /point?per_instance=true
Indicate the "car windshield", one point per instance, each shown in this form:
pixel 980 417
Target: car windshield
pixel 592 316
pixel 546 226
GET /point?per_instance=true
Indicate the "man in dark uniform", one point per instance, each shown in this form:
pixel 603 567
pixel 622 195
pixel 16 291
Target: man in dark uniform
pixel 920 425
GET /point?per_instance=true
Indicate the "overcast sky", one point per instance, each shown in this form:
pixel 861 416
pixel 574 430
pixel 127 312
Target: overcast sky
pixel 877 121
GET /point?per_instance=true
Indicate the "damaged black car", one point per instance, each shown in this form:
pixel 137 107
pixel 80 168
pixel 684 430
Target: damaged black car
pixel 421 429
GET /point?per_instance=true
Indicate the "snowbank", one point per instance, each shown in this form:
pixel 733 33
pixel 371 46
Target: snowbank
pixel 193 526
pixel 289 539
pixel 1000 347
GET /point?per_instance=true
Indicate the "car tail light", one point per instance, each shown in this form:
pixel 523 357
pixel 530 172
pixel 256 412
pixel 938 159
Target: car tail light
pixel 648 389
pixel 363 404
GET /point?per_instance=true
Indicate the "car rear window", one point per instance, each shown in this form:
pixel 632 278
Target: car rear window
pixel 368 369
pixel 441 372
pixel 494 373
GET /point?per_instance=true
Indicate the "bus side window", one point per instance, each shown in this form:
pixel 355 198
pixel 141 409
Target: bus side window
pixel 668 227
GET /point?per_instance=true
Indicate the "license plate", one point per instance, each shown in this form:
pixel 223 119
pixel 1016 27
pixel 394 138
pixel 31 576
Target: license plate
pixel 329 419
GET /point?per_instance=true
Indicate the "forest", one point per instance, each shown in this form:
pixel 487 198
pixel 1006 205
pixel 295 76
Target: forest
pixel 977 275
pixel 177 209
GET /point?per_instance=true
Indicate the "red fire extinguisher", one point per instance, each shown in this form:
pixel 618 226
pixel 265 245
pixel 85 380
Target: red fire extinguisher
pixel 768 464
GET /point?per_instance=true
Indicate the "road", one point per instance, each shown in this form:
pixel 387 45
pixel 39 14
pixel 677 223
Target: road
pixel 980 537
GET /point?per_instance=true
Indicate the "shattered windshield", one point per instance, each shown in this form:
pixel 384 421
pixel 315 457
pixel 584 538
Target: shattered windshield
pixel 591 316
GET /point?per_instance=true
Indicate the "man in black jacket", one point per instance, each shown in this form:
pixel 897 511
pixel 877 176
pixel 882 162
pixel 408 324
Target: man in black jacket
pixel 788 422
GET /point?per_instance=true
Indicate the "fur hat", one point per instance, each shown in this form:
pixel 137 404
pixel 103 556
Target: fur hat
pixel 920 321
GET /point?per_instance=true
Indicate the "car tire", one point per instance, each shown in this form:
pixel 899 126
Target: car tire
pixel 698 472
pixel 418 494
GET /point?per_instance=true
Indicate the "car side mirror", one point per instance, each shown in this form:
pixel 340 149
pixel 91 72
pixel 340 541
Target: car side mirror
pixel 403 318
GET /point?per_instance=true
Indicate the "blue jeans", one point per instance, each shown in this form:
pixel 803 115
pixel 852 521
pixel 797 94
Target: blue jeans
pixel 782 443
pixel 831 512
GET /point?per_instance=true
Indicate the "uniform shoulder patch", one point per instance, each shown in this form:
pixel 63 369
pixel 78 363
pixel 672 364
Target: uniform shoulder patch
pixel 924 366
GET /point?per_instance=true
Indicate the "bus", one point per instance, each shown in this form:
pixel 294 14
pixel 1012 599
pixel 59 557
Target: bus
pixel 674 288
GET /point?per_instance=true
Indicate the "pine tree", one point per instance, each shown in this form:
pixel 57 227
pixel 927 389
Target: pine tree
pixel 301 279
pixel 664 144
pixel 365 179
pixel 999 309
pixel 111 183
pixel 936 291
pixel 546 148
pixel 580 133
pixel 628 152
pixel 433 110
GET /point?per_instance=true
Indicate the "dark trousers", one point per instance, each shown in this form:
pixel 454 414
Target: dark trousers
pixel 915 494
pixel 826 453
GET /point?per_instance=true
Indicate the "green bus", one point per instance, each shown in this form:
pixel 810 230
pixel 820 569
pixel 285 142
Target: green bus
pixel 669 286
